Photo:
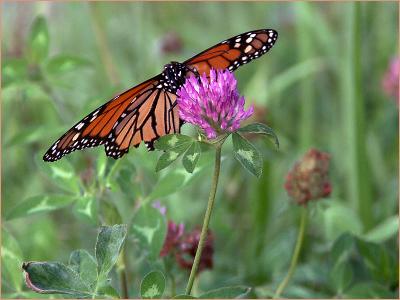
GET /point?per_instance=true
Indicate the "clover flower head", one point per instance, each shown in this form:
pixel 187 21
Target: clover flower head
pixel 213 103
pixel 308 179
pixel 183 246
pixel 172 240
pixel 188 247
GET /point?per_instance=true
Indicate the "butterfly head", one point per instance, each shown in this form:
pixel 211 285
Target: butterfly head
pixel 174 76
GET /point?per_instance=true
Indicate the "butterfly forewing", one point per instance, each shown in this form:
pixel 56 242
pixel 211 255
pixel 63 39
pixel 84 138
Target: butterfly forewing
pixel 234 52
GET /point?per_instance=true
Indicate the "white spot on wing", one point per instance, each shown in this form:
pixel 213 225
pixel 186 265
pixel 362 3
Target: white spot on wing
pixel 248 48
pixel 79 126
pixel 76 136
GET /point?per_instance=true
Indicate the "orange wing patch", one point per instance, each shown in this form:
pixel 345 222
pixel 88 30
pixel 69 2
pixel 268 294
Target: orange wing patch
pixel 158 115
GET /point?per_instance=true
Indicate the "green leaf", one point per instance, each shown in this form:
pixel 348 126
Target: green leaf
pixel 168 184
pixel 383 231
pixel 62 174
pixel 259 128
pixel 54 277
pixel 108 246
pixel 339 219
pixel 227 292
pixel 191 157
pixel 168 158
pixel 299 291
pixel 84 265
pixel 125 180
pixel 39 40
pixel 342 248
pixel 378 261
pixel 152 285
pixel 341 276
pixel 86 208
pixel 174 146
pixel 172 141
pixel 39 204
pixel 150 227
pixel 175 180
pixel 108 291
pixel 183 296
pixel 14 70
pixel 62 64
pixel 101 165
pixel 368 290
pixel 24 295
pixel 11 260
pixel 84 277
pixel 109 213
pixel 247 155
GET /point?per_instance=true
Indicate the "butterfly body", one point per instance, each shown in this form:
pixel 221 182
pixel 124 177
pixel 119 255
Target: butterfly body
pixel 149 110
pixel 173 76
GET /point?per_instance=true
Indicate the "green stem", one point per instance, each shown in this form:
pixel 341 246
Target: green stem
pixel 121 265
pixel 173 285
pixel 206 221
pixel 295 257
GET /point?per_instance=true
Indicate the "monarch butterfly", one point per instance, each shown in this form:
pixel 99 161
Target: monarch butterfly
pixel 149 110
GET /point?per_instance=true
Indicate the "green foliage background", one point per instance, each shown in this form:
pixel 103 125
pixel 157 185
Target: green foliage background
pixel 320 87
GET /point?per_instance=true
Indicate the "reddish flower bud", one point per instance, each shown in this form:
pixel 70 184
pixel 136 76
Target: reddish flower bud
pixel 171 43
pixel 174 234
pixel 308 179
pixel 390 81
pixel 188 248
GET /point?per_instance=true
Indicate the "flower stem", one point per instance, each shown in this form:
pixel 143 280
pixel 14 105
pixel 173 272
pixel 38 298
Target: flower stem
pixel 121 263
pixel 295 257
pixel 206 221
pixel 173 286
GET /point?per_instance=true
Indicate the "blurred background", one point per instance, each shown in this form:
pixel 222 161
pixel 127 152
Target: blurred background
pixel 329 83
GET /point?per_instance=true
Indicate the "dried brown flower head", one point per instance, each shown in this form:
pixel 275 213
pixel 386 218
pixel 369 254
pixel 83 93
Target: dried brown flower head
pixel 308 179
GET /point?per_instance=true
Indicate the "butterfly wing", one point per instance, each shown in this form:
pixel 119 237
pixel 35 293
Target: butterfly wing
pixel 234 52
pixel 142 113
